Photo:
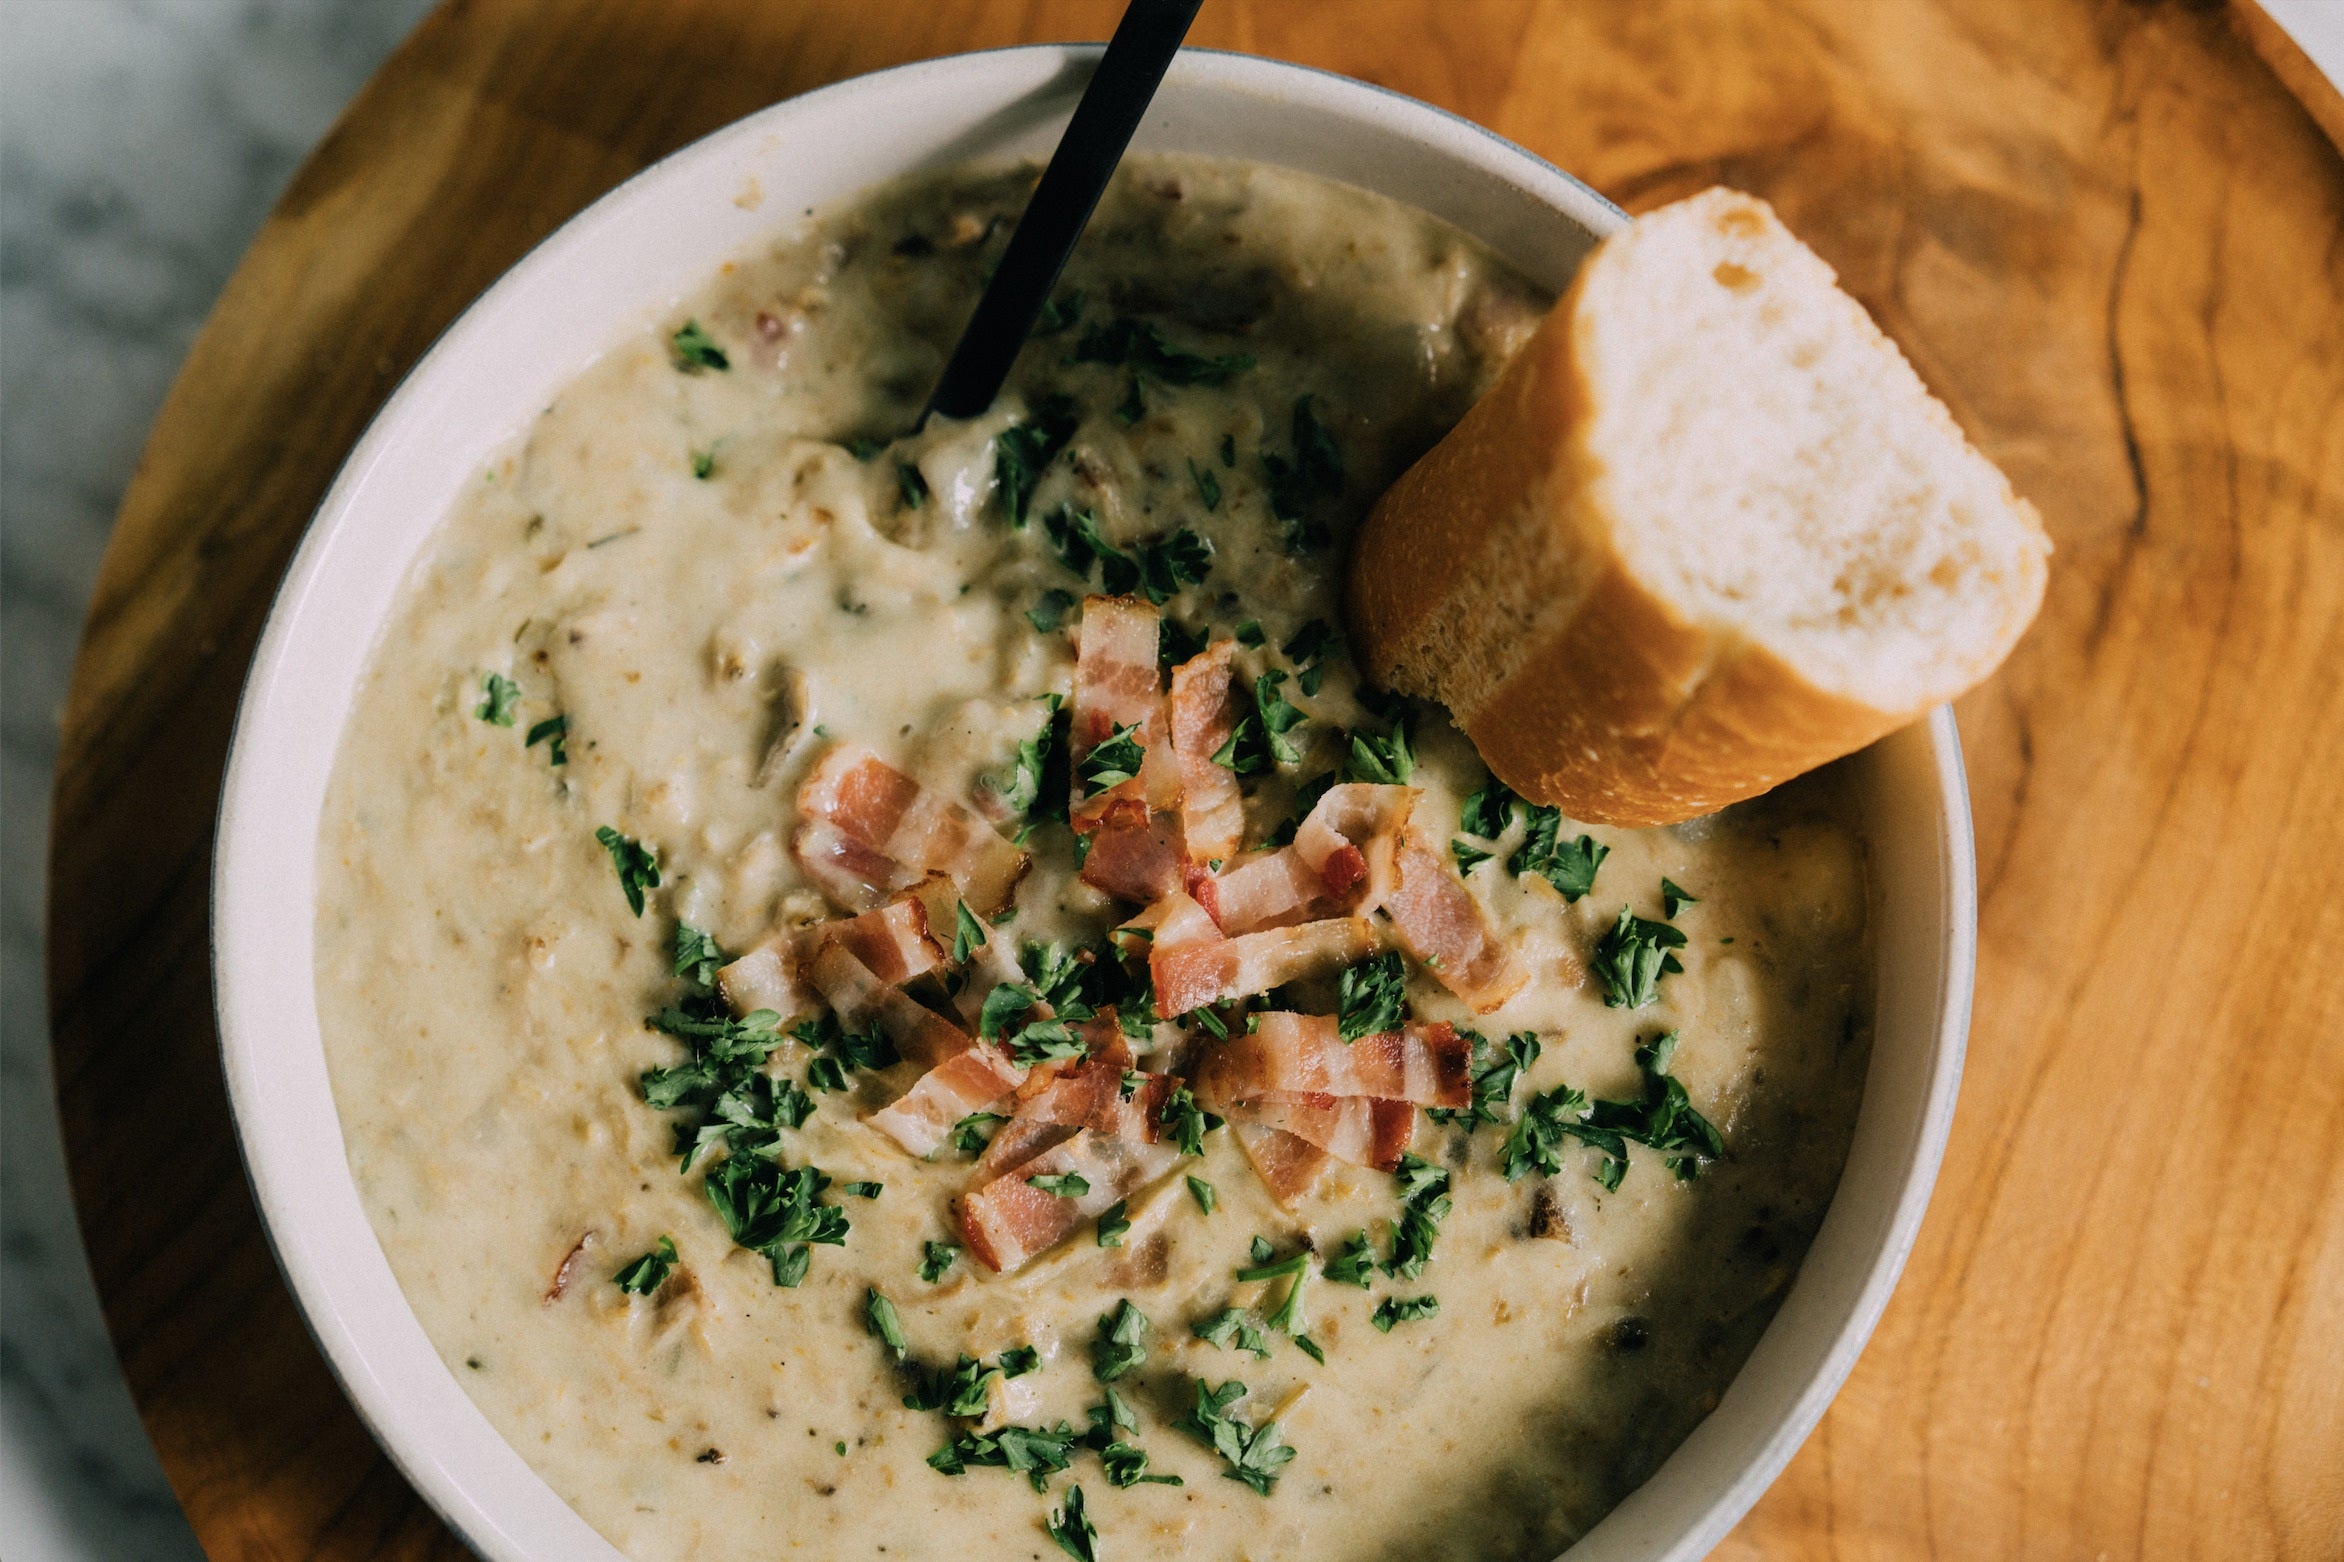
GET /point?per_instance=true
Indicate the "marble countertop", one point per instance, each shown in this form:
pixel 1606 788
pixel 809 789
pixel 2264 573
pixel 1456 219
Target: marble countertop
pixel 141 142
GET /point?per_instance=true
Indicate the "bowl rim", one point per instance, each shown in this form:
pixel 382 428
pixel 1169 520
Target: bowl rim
pixel 518 1525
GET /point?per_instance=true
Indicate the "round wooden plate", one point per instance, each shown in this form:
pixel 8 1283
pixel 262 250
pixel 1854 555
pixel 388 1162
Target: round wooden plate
pixel 2106 235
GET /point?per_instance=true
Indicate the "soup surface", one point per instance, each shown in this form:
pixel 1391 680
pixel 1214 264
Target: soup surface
pixel 612 742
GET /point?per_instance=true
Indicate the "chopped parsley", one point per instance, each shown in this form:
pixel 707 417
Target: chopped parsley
pixel 1631 959
pixel 1134 405
pixel 739 1105
pixel 1298 482
pixel 862 447
pixel 1176 643
pixel 1158 570
pixel 1049 610
pixel 1035 1452
pixel 1019 1360
pixel 962 1390
pixel 1568 865
pixel 1250 633
pixel 1309 649
pixel 1035 789
pixel 1354 1265
pixel 704 463
pixel 1254 1454
pixel 770 1209
pixel 1231 1326
pixel 1208 487
pixel 972 1133
pixel 1373 997
pixel 1126 1464
pixel 556 728
pixel 1065 1185
pixel 1310 1347
pixel 880 1316
pixel 1259 741
pixel 1072 1528
pixel 1115 1224
pixel 1142 347
pixel 648 1273
pixel 911 485
pixel 837 1049
pixel 1381 758
pixel 1469 856
pixel 1493 1080
pixel 969 933
pixel 1187 1124
pixel 1487 812
pixel 1121 1345
pixel 1114 761
pixel 697 958
pixel 1424 1204
pixel 1023 451
pixel 1206 1196
pixel 1059 313
pixel 498 695
pixel 695 350
pixel 1394 1309
pixel 935 1259
pixel 861 1190
pixel 637 866
pixel 1673 899
pixel 1229 451
pixel 1665 1120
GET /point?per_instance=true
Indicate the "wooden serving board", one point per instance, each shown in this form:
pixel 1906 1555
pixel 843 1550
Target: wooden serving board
pixel 2106 235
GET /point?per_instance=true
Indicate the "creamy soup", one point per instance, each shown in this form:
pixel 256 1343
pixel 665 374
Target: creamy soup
pixel 1441 1160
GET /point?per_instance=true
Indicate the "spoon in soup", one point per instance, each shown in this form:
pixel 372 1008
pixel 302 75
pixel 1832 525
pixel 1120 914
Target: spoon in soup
pixel 1104 120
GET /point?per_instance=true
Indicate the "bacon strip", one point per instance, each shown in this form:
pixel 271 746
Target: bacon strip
pixel 1349 838
pixel 1427 1064
pixel 923 1117
pixel 1009 1220
pixel 1437 920
pixel 1192 975
pixel 1288 1166
pixel 1136 856
pixel 1268 889
pixel 1116 684
pixel 869 830
pixel 1359 1129
pixel 893 941
pixel 1204 711
pixel 860 1000
pixel 963 1074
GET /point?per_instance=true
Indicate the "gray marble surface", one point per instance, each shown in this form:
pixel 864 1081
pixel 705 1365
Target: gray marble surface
pixel 141 142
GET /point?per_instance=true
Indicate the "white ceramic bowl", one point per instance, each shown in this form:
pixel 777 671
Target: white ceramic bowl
pixel 614 268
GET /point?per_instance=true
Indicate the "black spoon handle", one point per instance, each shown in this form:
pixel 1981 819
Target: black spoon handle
pixel 1110 111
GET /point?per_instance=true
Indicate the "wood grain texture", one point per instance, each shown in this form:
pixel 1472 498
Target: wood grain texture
pixel 2104 233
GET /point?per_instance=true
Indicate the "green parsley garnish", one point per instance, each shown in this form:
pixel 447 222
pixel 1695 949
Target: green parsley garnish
pixel 769 1209
pixel 1134 405
pixel 862 447
pixel 1072 1528
pixel 556 728
pixel 1664 1120
pixel 1493 1081
pixel 1487 812
pixel 1065 1185
pixel 704 463
pixel 1059 313
pixel 1259 742
pixel 1468 855
pixel 1373 997
pixel 962 1390
pixel 935 1259
pixel 1050 610
pixel 499 695
pixel 697 959
pixel 1250 633
pixel 1309 649
pixel 1142 347
pixel 1019 1360
pixel 837 1049
pixel 1157 570
pixel 862 1190
pixel 648 1273
pixel 1394 1309
pixel 1632 957
pixel 1115 1224
pixel 1023 451
pixel 696 350
pixel 969 933
pixel 1231 1325
pixel 1568 865
pixel 1314 472
pixel 1208 487
pixel 1229 451
pixel 1030 791
pixel 1114 761
pixel 1424 1204
pixel 1188 1124
pixel 880 1316
pixel 1383 759
pixel 638 868
pixel 1310 1347
pixel 1204 1193
pixel 1254 1455
pixel 911 485
pixel 1354 1265
pixel 1120 1346
pixel 1673 899
pixel 1034 1452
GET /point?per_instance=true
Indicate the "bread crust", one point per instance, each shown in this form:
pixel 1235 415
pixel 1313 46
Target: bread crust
pixel 1488 578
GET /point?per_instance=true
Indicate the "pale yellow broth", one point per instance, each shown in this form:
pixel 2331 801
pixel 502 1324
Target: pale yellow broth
pixel 483 986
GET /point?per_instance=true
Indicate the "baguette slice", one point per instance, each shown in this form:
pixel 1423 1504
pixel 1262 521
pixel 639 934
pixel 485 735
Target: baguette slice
pixel 1706 532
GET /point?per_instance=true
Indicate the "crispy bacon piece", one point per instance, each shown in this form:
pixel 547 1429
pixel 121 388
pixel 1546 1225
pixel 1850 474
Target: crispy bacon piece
pixel 1360 1129
pixel 963 1074
pixel 923 1117
pixel 1116 684
pixel 1137 856
pixel 1288 1166
pixel 860 999
pixel 1049 1111
pixel 1427 1064
pixel 1193 973
pixel 1009 1220
pixel 1204 711
pixel 893 941
pixel 1437 920
pixel 1268 889
pixel 868 830
pixel 1349 838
